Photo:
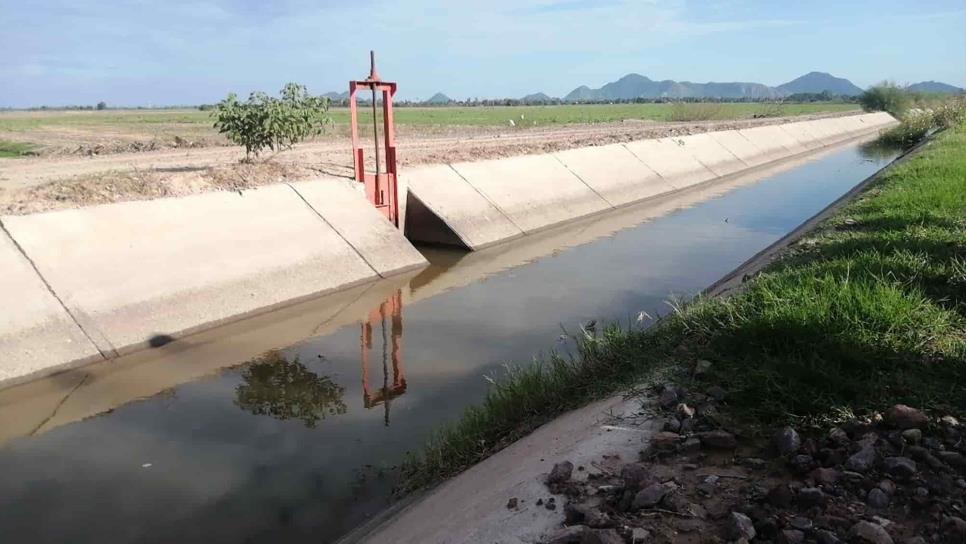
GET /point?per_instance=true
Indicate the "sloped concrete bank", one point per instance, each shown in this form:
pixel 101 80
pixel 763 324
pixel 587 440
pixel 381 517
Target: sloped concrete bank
pixel 94 283
pixel 478 204
pixel 90 284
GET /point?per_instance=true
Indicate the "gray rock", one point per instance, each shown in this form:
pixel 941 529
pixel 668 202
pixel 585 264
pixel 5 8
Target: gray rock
pixel 601 536
pixel 568 535
pixel 888 486
pixel 718 440
pixel 676 501
pixel 669 396
pixel 665 440
pixel 838 437
pixel 862 461
pixel 801 523
pixel 640 535
pixel 900 467
pixel 792 536
pixel 811 496
pixel 691 445
pixel 954 529
pixel 649 497
pixel 560 473
pixel 787 441
pixel 905 417
pixel 825 476
pixel 672 425
pixel 634 474
pixel 740 526
pixel 801 463
pixel 826 537
pixel 877 498
pixel 953 459
pixel 914 540
pixel 912 436
pixel 753 463
pixel 869 533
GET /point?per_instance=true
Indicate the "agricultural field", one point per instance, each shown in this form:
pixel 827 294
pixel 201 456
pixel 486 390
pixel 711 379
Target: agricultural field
pixel 113 131
pixel 62 159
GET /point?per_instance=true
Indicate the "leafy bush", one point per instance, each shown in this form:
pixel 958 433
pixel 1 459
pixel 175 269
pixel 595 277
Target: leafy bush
pixel 887 97
pixel 267 122
pixel 101 106
pixel 917 124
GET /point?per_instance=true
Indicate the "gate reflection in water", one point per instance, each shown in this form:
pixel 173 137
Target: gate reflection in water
pixel 390 309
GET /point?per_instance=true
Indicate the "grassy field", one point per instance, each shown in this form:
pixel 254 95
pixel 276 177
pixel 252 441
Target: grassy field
pixel 458 116
pixel 866 311
pixel 14 149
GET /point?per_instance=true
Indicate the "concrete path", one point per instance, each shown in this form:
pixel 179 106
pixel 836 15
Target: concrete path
pixel 472 507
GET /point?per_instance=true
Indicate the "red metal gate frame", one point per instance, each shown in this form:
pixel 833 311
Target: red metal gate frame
pixel 381 187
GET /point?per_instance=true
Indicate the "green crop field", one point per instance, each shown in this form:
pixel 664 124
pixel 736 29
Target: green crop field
pixel 122 130
pixel 456 115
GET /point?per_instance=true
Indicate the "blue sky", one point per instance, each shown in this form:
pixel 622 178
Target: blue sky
pixel 161 52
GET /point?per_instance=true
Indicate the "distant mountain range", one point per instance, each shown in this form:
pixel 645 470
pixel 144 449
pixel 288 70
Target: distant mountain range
pixel 935 87
pixel 634 86
pixel 637 86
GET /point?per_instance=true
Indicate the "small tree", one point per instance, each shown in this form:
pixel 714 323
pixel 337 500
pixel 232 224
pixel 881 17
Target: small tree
pixel 267 122
pixel 101 105
pixel 885 96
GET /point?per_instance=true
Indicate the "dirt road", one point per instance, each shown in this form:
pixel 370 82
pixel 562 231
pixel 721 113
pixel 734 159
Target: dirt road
pixel 44 183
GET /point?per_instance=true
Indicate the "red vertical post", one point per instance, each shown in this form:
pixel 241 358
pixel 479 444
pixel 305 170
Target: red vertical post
pixel 381 186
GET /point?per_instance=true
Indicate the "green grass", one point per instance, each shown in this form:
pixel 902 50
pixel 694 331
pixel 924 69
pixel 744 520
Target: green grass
pixel 866 311
pixel 442 116
pixel 14 149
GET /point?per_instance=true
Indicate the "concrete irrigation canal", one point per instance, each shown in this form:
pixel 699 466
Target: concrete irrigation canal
pixel 226 368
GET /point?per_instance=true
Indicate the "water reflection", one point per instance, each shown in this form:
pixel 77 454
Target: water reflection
pixel 283 389
pixel 877 150
pixel 272 385
pixel 391 310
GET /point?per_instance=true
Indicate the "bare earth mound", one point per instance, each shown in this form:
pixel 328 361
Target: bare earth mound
pixel 49 183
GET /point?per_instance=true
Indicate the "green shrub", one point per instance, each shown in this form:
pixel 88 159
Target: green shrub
pixel 267 122
pixel 887 97
pixel 917 124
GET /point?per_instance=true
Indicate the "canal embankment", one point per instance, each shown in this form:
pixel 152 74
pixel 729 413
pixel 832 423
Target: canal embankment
pixel 95 283
pixel 863 313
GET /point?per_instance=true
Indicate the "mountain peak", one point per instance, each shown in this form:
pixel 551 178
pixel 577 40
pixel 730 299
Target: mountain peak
pixel 935 87
pixel 439 98
pixel 817 82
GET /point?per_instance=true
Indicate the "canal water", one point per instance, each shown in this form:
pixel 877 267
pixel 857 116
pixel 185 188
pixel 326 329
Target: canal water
pixel 299 444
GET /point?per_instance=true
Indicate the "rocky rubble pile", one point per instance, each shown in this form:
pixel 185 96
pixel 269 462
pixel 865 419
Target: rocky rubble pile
pixel 896 479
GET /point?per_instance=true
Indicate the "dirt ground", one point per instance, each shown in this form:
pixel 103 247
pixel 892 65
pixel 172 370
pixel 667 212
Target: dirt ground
pixel 30 185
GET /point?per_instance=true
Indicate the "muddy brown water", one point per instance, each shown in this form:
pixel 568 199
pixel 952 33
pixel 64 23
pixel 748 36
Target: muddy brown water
pixel 301 444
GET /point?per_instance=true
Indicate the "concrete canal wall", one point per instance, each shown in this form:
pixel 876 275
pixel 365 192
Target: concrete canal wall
pixel 477 204
pixel 94 283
